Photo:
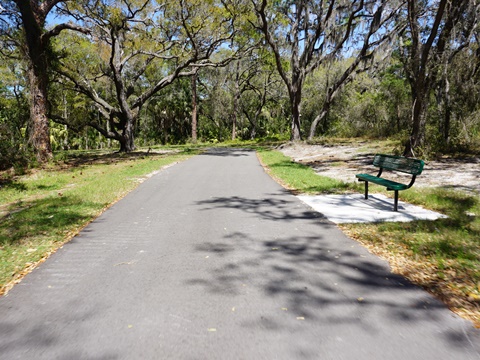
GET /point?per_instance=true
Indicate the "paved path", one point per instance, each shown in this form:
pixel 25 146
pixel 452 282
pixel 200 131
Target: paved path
pixel 211 259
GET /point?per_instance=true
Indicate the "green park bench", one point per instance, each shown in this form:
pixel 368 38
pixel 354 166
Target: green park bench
pixel 402 164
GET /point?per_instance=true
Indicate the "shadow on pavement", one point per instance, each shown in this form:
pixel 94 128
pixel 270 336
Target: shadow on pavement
pixel 227 152
pixel 319 275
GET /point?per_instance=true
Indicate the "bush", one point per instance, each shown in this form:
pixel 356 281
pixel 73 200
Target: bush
pixel 12 151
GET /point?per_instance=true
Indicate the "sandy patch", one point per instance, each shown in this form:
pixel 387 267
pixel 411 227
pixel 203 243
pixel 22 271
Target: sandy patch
pixel 344 161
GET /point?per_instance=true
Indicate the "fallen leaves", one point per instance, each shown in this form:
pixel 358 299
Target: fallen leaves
pixel 448 284
pixel 474 298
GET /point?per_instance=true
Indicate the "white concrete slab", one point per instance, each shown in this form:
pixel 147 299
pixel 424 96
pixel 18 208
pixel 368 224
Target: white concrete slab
pixel 354 208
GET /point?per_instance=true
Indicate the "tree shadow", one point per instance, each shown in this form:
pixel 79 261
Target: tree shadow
pixel 50 215
pixel 39 335
pixel 227 152
pixel 80 159
pixel 11 184
pixel 270 207
pixel 317 274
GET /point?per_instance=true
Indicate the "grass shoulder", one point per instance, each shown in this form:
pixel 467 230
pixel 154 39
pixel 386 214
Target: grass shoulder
pixel 42 210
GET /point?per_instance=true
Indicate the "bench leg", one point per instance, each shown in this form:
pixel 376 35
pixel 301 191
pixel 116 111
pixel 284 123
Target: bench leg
pixel 366 189
pixel 395 206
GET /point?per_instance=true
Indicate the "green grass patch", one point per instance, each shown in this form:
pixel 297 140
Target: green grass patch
pixel 298 177
pixel 42 210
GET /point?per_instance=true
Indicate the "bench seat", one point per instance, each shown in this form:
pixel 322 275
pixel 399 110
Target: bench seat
pixel 389 184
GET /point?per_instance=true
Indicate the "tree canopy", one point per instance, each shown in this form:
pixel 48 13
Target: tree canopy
pixel 155 71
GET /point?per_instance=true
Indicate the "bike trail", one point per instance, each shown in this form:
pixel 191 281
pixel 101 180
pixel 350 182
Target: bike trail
pixel 212 259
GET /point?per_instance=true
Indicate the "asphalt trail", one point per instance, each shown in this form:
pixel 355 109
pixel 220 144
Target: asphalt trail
pixel 211 259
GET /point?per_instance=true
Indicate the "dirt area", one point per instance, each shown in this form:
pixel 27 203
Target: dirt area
pixel 345 160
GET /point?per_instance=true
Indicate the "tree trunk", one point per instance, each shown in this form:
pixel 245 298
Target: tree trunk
pixel 315 123
pixel 330 96
pixel 129 144
pixel 448 112
pixel 194 107
pixel 126 139
pixel 446 125
pixel 40 127
pixel 253 122
pixel 236 100
pixel 417 135
pixel 295 100
pixel 35 51
pixel 399 128
pixel 253 133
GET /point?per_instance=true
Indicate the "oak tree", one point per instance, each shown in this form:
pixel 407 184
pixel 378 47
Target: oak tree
pixel 310 32
pixel 34 43
pixel 429 33
pixel 143 46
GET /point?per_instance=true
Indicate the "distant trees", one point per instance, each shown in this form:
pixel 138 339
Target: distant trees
pixel 141 47
pixel 306 34
pixel 244 100
pixel 13 116
pixel 435 32
pixel 166 72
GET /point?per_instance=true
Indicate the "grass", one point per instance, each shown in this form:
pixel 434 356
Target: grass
pixel 442 256
pixel 40 211
pixel 297 177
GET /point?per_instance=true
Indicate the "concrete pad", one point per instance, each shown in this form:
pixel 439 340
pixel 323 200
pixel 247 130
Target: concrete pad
pixel 354 208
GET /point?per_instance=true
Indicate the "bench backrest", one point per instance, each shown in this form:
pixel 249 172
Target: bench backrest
pixel 399 163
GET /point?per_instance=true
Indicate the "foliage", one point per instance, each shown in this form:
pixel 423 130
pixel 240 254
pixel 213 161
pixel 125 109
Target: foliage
pixel 165 118
pixel 139 49
pixel 14 114
pixel 435 33
pixel 376 107
pixel 260 108
pixel 306 34
pixel 145 99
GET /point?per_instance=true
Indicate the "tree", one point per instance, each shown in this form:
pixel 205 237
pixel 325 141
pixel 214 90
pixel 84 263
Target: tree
pixel 194 106
pixel 143 47
pixel 258 83
pixel 13 115
pixel 427 36
pixel 217 104
pixel 312 32
pixel 34 44
pixel 462 41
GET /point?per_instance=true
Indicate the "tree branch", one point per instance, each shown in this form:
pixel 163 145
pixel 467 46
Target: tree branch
pixel 268 37
pixel 67 26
